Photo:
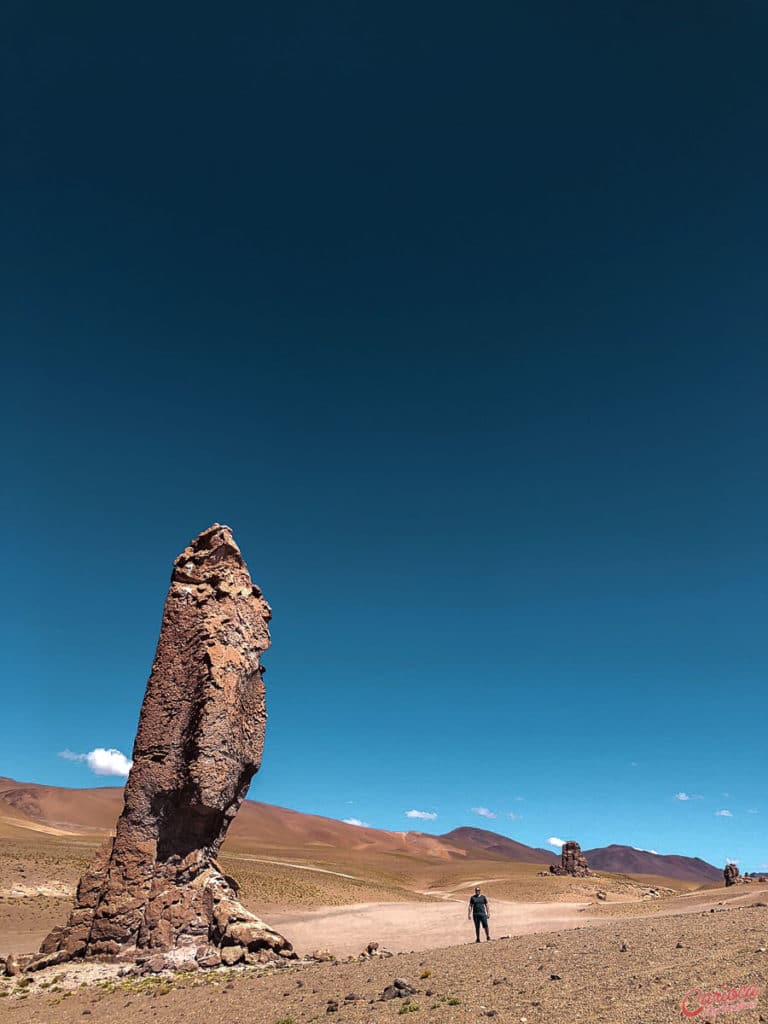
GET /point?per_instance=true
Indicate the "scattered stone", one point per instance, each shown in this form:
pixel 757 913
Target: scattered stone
pixel 679 945
pixel 332 1006
pixel 623 948
pixel 156 884
pixel 572 861
pixel 12 966
pixel 209 956
pixel 399 989
pixel 323 956
pixel 555 977
pixel 601 895
pixel 231 955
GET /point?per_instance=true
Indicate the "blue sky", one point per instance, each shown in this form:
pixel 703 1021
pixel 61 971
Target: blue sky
pixel 460 324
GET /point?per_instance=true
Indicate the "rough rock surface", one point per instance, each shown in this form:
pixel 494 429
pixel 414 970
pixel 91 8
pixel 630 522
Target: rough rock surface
pixel 156 885
pixel 730 874
pixel 572 861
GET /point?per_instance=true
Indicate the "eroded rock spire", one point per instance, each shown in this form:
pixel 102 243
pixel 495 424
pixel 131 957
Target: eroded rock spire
pixel 156 885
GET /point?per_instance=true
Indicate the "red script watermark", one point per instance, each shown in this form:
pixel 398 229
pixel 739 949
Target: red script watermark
pixel 728 999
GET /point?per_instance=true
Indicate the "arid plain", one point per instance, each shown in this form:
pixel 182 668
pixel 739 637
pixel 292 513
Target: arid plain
pixel 559 952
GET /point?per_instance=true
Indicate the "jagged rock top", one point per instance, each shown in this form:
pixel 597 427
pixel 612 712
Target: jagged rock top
pixel 213 560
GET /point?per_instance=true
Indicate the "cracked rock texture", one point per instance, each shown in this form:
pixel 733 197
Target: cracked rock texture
pixel 572 861
pixel 156 886
pixel 730 874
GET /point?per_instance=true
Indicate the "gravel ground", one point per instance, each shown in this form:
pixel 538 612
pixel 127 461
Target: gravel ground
pixel 580 976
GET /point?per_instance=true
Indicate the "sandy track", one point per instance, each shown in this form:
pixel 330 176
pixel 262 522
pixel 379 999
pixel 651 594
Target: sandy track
pixel 401 927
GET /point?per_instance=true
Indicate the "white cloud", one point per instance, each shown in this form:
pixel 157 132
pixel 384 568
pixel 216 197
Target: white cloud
pixel 422 815
pixel 102 761
pixel 682 796
pixel 356 821
pixel 554 841
pixel 731 860
pixel 108 762
pixel 723 814
pixel 641 849
pixel 634 764
pixel 514 817
pixel 753 810
pixel 483 812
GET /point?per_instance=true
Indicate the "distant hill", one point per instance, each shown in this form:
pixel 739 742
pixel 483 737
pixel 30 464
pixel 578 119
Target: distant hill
pixel 629 861
pixel 56 810
pixel 258 826
pixel 481 840
pixel 623 860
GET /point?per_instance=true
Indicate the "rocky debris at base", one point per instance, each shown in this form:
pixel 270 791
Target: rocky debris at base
pixel 322 956
pixel 11 966
pixel 572 861
pixel 16 963
pixel 156 885
pixel 372 951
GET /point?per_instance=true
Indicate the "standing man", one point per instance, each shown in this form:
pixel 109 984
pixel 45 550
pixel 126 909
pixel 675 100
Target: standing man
pixel 479 912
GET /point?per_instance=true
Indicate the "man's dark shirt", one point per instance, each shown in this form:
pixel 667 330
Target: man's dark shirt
pixel 479 906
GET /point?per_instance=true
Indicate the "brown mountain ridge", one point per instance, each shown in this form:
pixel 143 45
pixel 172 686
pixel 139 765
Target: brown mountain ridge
pixel 259 826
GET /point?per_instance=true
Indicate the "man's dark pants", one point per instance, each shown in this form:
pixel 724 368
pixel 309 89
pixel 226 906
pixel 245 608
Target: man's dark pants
pixel 480 919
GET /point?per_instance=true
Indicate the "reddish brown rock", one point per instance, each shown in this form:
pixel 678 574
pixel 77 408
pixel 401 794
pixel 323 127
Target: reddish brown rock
pixel 12 965
pixel 156 885
pixel 730 874
pixel 572 861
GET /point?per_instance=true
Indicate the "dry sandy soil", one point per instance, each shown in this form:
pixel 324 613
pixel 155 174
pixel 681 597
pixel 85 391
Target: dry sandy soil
pixel 555 958
pixel 578 976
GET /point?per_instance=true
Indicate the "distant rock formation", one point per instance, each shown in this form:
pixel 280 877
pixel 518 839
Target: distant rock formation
pixel 730 874
pixel 572 861
pixel 156 886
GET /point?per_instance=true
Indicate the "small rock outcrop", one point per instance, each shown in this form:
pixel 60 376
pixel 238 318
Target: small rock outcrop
pixel 730 874
pixel 399 989
pixel 156 886
pixel 572 861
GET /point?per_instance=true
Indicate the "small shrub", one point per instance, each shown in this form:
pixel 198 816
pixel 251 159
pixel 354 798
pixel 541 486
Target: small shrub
pixel 408 1007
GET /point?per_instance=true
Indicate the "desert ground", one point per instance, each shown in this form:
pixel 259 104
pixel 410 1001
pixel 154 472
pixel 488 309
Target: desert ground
pixel 558 952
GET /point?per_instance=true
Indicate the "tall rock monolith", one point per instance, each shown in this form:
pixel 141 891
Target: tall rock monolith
pixel 730 873
pixel 156 886
pixel 572 861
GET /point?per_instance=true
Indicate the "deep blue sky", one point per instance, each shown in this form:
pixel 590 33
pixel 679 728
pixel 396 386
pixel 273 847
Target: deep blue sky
pixel 457 315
